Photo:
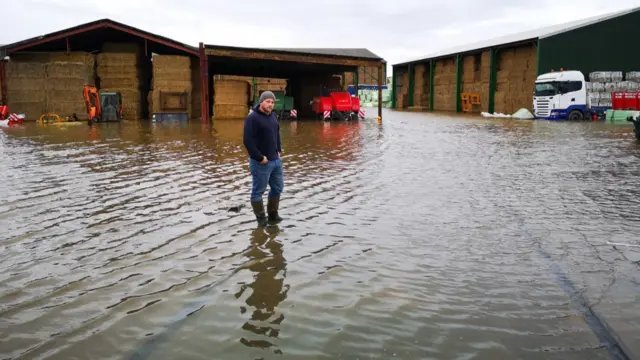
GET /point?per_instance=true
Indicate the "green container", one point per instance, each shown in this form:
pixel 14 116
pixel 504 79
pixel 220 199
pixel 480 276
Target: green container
pixel 282 102
pixel 619 116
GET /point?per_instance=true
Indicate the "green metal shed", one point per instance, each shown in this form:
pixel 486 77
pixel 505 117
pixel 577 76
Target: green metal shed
pixel 599 43
pixel 606 43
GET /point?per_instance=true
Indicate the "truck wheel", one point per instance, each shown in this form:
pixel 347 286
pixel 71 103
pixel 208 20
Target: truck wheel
pixel 576 115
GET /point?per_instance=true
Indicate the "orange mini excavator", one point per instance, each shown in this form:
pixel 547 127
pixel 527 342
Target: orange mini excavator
pixel 102 106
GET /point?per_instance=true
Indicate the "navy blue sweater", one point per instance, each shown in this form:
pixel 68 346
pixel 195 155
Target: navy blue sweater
pixel 262 135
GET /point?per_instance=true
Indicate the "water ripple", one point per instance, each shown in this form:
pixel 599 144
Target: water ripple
pixel 418 238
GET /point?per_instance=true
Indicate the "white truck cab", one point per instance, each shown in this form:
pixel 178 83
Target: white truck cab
pixel 560 95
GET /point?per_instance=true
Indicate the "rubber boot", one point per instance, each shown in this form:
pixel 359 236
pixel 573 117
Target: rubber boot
pixel 258 210
pixel 272 209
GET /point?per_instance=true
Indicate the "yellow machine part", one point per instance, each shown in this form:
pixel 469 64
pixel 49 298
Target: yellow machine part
pixel 50 117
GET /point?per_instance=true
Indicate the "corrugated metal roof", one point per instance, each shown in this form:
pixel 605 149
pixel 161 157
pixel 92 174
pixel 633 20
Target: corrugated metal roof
pixel 352 52
pixel 92 25
pixel 523 36
pixel 359 53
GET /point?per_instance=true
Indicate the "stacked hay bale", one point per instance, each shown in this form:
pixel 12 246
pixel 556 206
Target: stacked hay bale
pixel 49 82
pixel 515 79
pixel 60 56
pixel 26 92
pixel 476 79
pixel 262 83
pixel 421 86
pixel 444 88
pixel 119 71
pixel 271 84
pixel 171 73
pixel 230 98
pixel 368 75
pixel 402 89
pixel 63 86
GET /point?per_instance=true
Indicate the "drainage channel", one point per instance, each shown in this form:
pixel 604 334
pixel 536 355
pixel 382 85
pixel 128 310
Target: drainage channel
pixel 607 336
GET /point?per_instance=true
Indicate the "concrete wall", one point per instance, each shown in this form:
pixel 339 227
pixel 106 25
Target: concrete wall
pixel 476 71
pixel 515 79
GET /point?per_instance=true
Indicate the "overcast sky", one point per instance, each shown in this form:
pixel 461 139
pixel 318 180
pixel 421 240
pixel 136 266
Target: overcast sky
pixel 397 30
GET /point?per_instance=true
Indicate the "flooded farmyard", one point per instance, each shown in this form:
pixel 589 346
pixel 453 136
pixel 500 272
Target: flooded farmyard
pixel 424 237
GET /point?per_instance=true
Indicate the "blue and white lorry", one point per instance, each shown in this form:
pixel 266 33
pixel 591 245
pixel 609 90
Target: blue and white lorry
pixel 564 95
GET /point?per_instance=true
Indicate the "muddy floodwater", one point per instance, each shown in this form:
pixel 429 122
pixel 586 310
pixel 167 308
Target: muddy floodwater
pixel 425 237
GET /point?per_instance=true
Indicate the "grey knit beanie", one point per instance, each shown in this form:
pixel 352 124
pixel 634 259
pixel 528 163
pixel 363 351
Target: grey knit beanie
pixel 266 95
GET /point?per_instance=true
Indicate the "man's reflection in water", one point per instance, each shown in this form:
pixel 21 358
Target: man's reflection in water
pixel 268 289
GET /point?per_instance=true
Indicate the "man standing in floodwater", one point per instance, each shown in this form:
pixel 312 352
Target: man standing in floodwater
pixel 262 141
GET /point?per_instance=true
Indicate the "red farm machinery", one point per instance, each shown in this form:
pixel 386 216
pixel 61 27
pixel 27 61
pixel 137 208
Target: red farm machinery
pixel 338 105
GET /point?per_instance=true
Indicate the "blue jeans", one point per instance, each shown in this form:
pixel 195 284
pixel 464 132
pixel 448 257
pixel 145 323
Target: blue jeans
pixel 270 173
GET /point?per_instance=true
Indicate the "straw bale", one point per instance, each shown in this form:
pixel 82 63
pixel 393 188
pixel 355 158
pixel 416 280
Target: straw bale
pixel 171 103
pixel 78 57
pixel 77 70
pixel 171 74
pixel 67 108
pixel 26 96
pixel 38 57
pixel 117 59
pixel 515 79
pixel 16 69
pixel 506 54
pixel 269 81
pixel 120 83
pixel 502 76
pixel 32 110
pixel 25 83
pixel 172 85
pixel 231 92
pixel 137 105
pixel 232 77
pixel 118 71
pixel 65 84
pixel 121 47
pixel 423 99
pixel 249 79
pixel 132 111
pixel 129 96
pixel 131 83
pixel 274 87
pixel 230 111
pixel 171 62
pixel 61 95
pixel 46 57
